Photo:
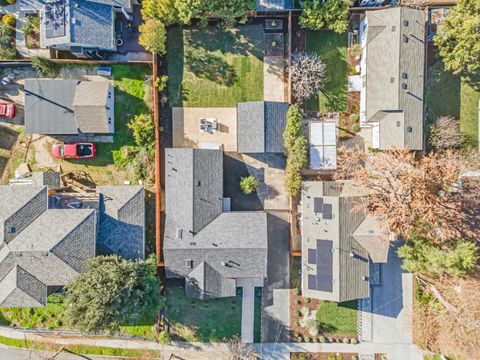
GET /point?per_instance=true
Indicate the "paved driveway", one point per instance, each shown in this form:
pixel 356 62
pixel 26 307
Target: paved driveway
pixel 275 314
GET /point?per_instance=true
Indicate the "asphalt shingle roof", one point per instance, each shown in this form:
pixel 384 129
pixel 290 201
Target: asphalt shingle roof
pixel 395 74
pixel 260 126
pixel 40 247
pixel 231 244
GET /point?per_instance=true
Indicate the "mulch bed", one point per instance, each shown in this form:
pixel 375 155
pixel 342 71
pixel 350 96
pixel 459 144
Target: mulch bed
pixel 298 303
pixel 323 356
pixel 346 121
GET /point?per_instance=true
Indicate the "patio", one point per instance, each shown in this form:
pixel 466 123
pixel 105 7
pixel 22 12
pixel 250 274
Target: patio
pixel 187 132
pixel 129 33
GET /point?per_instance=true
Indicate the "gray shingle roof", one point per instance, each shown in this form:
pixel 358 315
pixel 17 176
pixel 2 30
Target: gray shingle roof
pixel 47 178
pixel 40 247
pixel 395 73
pixel 122 221
pixel 338 225
pixel 232 244
pixel 63 107
pixel 49 106
pixel 205 282
pixel 260 126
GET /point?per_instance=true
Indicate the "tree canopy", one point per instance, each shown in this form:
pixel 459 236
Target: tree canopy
pixel 308 75
pixel 321 14
pixel 153 36
pixel 110 292
pixel 458 39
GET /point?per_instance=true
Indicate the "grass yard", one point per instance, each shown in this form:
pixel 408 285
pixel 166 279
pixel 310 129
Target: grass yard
pixel 448 94
pixel 203 320
pixel 52 317
pixel 332 49
pixel 338 318
pixel 215 67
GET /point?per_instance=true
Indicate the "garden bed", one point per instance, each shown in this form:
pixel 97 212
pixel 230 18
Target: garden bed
pixel 337 321
pixel 31 31
pixel 7 37
pixel 323 356
pixel 350 119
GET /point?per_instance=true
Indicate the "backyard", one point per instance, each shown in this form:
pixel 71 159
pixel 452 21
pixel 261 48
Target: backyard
pixel 129 91
pixel 332 49
pixel 450 95
pixel 215 67
pixel 202 320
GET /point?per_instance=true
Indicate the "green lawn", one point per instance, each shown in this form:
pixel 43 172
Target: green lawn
pixel 215 67
pixel 203 320
pixel 338 318
pixel 51 317
pixel 332 49
pixel 448 94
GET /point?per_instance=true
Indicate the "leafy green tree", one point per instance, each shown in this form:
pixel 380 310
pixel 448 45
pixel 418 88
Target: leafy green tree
pixel 423 257
pixel 153 36
pixel 458 38
pixel 189 9
pixel 112 291
pixel 248 184
pixel 45 67
pixel 163 10
pixel 293 127
pixel 143 129
pixel 318 14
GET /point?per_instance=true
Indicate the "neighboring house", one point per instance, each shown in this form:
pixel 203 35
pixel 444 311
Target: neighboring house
pixel 209 247
pixel 339 241
pixel 260 126
pixel 80 26
pixel 68 107
pixel 393 75
pixel 46 240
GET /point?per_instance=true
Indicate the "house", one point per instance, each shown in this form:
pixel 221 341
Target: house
pixel 82 27
pixel 204 243
pixel 260 126
pixel 68 107
pixel 393 75
pixel 46 239
pixel 340 241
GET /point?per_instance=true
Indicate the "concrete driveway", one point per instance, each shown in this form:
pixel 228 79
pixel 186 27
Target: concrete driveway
pixel 268 169
pixel 275 314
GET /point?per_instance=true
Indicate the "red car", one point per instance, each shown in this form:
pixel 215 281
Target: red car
pixel 7 110
pixel 73 151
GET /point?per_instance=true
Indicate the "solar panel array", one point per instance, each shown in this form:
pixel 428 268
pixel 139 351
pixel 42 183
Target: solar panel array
pixel 54 19
pixel 322 257
pixel 320 207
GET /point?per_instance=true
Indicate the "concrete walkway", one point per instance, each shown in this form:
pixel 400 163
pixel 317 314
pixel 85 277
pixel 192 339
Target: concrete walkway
pixel 273 78
pixel 248 306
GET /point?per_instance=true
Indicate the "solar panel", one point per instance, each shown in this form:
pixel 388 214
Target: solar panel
pixel 312 256
pixel 327 211
pixel 312 282
pixel 318 205
pixel 324 265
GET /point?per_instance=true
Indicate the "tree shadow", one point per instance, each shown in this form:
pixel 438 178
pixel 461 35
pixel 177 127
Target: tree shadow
pixel 210 66
pixel 327 328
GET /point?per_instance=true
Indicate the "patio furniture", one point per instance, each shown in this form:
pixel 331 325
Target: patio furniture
pixel 203 124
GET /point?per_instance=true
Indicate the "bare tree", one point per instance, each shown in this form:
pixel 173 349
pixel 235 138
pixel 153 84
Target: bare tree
pixel 239 350
pixel 445 133
pixel 414 4
pixel 407 192
pixel 308 75
pixel 349 162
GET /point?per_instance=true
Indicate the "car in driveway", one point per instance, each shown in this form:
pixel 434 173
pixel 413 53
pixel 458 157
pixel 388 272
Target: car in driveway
pixel 7 110
pixel 73 151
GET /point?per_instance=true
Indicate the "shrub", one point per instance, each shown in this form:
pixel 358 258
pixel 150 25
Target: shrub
pixel 309 322
pixel 321 339
pixel 153 36
pixel 8 19
pixel 354 117
pixel 296 301
pixel 123 156
pixel 11 2
pixel 300 338
pixel 143 129
pixel 297 313
pixel 346 340
pixel 356 127
pixel 296 291
pixel 307 300
pixel 164 338
pixel 307 339
pixel 330 339
pixel 45 67
pixel 353 341
pixel 248 184
pixel 161 83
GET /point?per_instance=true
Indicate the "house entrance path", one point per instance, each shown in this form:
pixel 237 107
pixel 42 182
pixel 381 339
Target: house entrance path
pixel 274 78
pixel 248 306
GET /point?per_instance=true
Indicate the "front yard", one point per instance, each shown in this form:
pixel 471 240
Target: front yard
pixel 450 95
pixel 202 320
pixel 215 67
pixel 332 49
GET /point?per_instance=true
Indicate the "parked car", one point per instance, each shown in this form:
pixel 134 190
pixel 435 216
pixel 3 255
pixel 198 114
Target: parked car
pixel 73 151
pixel 7 110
